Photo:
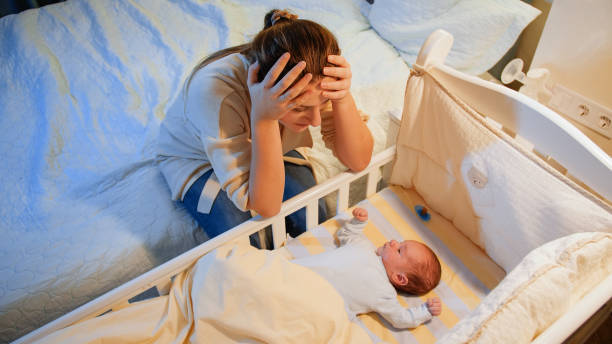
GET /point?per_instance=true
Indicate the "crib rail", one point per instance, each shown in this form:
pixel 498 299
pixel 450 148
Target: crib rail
pixel 161 276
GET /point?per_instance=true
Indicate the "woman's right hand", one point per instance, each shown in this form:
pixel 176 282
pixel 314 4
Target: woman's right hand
pixel 270 99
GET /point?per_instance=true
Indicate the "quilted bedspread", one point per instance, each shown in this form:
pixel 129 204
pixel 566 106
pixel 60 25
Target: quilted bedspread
pixel 84 86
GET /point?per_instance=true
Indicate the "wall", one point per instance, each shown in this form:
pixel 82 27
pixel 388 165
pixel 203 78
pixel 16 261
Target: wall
pixel 576 46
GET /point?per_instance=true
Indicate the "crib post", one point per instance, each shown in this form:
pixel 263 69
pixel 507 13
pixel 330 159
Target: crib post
pixel 312 213
pixel 343 196
pixel 373 178
pixel 279 232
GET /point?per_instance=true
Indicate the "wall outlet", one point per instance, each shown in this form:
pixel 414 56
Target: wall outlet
pixel 581 109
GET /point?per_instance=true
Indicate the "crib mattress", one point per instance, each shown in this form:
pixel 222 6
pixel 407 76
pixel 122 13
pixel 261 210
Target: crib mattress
pixel 468 274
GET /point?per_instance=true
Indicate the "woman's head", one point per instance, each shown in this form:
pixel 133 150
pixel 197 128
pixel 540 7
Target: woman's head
pixel 305 40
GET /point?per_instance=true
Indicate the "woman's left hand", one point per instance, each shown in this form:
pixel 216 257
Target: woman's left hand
pixel 338 84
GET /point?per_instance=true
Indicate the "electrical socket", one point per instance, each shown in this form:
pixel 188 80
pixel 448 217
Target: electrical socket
pixel 581 109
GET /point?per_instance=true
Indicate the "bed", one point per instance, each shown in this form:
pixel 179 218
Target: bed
pixel 550 280
pixel 85 85
pixel 554 279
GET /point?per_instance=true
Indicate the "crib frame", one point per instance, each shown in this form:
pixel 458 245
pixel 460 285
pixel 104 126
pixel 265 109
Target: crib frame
pixel 533 124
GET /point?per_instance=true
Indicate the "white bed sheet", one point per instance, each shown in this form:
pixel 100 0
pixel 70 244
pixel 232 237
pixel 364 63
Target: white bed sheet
pixel 84 87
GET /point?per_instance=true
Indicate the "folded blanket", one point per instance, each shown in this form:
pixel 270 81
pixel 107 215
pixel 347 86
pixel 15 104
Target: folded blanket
pixel 233 294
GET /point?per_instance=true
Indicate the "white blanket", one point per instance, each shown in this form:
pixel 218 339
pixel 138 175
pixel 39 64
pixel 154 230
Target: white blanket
pixel 234 294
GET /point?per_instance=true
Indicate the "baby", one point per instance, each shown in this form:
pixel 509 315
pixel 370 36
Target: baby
pixel 366 276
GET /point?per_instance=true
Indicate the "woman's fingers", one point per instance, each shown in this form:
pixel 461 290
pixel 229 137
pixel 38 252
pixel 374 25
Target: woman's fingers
pixel 275 71
pixel 296 89
pixel 338 72
pixel 297 101
pixel 342 84
pixel 253 69
pixel 289 78
pixel 338 60
pixel 338 82
pixel 337 95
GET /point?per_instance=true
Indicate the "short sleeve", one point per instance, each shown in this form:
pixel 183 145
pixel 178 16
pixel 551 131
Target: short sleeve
pixel 351 231
pixel 229 151
pixel 219 111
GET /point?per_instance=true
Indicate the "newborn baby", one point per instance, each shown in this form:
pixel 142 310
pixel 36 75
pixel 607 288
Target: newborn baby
pixel 367 277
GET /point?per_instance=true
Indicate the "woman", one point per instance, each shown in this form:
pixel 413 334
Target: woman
pixel 244 116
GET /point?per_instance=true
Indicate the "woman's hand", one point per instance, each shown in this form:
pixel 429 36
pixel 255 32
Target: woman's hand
pixel 271 99
pixel 353 141
pixel 337 89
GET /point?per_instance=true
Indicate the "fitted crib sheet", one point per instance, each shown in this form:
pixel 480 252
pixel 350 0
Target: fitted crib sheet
pixel 468 274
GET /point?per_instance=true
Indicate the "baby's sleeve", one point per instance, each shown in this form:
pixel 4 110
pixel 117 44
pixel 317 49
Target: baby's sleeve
pixel 401 317
pixel 350 231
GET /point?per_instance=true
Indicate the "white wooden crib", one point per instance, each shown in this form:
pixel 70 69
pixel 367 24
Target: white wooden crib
pixel 531 124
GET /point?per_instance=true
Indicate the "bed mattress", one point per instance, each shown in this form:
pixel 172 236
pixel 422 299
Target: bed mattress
pixel 85 86
pixel 467 273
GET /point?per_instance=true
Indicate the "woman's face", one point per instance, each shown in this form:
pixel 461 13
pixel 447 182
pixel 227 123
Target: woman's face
pixel 309 112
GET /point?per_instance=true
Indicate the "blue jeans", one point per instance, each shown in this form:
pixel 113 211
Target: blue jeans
pixel 224 215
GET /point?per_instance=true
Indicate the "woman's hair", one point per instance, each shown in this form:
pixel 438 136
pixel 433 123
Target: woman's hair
pixel 423 276
pixel 283 32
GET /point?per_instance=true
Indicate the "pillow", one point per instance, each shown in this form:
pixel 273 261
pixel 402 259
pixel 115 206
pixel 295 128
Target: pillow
pixel 483 30
pixel 502 197
pixel 546 283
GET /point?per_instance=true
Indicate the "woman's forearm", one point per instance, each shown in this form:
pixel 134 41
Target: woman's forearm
pixel 353 140
pixel 267 174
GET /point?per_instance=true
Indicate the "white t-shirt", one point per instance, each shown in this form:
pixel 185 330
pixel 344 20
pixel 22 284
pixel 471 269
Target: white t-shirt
pixel 359 275
pixel 210 128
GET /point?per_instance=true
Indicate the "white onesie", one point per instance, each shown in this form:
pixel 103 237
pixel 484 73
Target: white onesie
pixel 359 275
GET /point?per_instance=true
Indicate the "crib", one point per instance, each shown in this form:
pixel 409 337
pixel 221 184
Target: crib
pixel 530 125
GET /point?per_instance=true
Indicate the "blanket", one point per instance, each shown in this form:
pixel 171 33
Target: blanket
pixel 233 294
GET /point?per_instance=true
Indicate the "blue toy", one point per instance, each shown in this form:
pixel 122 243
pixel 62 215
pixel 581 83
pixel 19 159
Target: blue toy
pixel 422 212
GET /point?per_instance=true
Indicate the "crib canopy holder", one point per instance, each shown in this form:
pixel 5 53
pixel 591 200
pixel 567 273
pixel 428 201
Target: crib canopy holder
pixel 534 125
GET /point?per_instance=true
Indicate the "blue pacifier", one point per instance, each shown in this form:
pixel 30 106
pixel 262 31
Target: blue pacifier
pixel 422 212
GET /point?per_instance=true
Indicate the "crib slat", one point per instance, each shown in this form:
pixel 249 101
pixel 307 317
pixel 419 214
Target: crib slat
pixel 182 262
pixel 279 233
pixel 373 178
pixel 343 198
pixel 312 214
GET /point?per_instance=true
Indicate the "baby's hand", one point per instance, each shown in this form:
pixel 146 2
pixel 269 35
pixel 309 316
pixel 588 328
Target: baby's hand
pixel 360 214
pixel 434 306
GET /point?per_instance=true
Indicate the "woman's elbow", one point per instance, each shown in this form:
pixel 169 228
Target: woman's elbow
pixel 360 165
pixel 266 209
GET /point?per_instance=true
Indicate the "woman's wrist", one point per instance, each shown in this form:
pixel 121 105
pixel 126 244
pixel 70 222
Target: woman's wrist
pixel 263 122
pixel 344 101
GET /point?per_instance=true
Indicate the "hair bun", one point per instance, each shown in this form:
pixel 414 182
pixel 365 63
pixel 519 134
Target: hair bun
pixel 282 14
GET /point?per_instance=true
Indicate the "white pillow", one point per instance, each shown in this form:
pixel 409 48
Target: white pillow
pixel 484 30
pixel 544 286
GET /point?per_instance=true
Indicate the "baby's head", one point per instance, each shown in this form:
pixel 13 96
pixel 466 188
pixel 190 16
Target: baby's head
pixel 411 266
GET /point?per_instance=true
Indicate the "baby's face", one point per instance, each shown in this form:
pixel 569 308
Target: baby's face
pixel 397 257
